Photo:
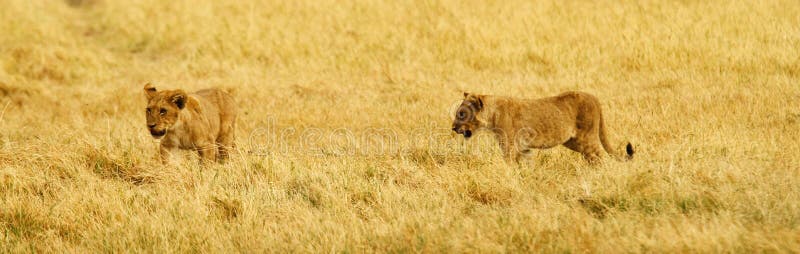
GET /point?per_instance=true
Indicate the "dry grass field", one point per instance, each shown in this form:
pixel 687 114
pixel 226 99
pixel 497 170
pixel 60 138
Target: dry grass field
pixel 344 140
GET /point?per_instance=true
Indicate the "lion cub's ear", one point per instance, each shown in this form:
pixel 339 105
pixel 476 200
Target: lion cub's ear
pixel 179 99
pixel 476 99
pixel 149 90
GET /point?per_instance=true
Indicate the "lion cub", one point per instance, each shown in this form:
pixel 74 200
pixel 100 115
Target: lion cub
pixel 572 119
pixel 203 121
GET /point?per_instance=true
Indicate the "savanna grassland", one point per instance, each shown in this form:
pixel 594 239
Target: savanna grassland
pixel 344 141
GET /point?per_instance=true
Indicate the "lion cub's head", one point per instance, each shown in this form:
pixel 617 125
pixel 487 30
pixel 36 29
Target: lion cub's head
pixel 466 120
pixel 163 108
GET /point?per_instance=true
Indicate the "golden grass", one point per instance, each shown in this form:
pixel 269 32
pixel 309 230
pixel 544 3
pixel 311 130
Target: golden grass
pixel 708 91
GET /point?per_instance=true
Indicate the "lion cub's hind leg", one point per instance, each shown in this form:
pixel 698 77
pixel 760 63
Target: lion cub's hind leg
pixel 588 147
pixel 227 128
pixel 225 145
pixel 226 138
pixel 592 153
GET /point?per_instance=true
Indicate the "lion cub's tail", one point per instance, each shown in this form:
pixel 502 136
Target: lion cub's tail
pixel 604 139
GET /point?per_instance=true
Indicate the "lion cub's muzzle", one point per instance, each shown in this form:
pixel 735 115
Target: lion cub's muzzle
pixel 155 132
pixel 463 131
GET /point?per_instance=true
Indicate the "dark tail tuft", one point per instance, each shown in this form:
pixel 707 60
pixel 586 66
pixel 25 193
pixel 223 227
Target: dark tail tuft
pixel 629 150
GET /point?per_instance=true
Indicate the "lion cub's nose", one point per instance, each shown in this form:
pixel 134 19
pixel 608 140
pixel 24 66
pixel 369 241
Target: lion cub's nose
pixel 151 125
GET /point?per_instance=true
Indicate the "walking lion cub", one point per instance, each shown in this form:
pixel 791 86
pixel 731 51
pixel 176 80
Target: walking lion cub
pixel 203 121
pixel 572 119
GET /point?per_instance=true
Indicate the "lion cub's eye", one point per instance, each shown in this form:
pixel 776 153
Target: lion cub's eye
pixel 462 114
pixel 148 110
pixel 163 112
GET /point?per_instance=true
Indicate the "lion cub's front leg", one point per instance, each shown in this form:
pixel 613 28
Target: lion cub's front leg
pixel 207 151
pixel 165 153
pixel 509 148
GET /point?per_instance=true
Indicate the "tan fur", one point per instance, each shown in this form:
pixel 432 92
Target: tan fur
pixel 572 119
pixel 203 121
